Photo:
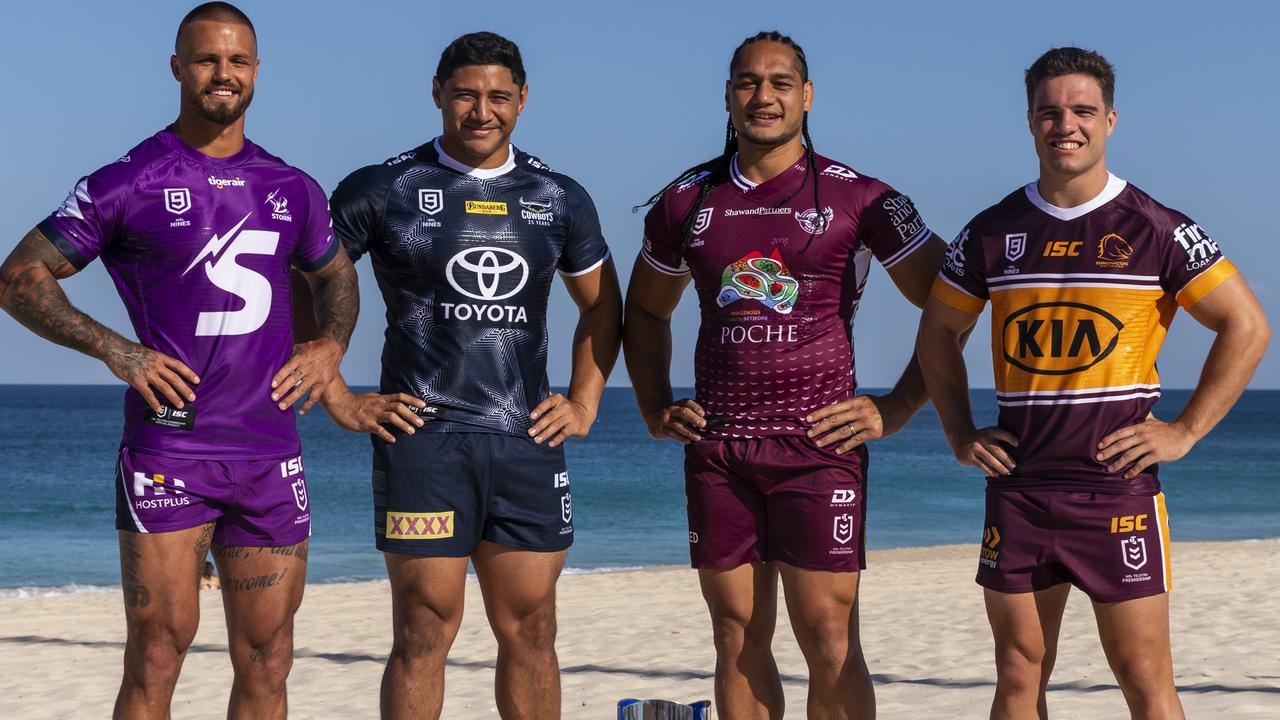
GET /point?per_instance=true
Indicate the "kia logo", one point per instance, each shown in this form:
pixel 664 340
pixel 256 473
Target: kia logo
pixel 494 271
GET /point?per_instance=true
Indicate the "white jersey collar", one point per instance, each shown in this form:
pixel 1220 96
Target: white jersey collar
pixel 478 173
pixel 738 178
pixel 1113 188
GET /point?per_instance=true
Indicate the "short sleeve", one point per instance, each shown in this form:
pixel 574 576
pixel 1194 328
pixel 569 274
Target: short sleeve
pixel 663 247
pixel 585 249
pixel 87 222
pixel 1192 265
pixel 316 247
pixel 358 205
pixel 962 282
pixel 891 227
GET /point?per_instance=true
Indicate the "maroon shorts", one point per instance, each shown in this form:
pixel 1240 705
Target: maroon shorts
pixel 1113 547
pixel 255 503
pixel 775 499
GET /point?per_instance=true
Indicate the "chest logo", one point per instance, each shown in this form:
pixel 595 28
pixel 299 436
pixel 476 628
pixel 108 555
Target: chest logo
pixel 1113 252
pixel 815 223
pixel 487 273
pixel 1014 245
pixel 704 220
pixel 220 266
pixel 1059 338
pixel 177 200
pixel 430 200
pixel 763 279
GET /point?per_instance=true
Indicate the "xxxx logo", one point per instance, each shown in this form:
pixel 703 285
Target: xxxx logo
pixel 419 526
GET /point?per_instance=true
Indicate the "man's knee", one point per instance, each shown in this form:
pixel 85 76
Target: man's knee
pixel 735 634
pixel 423 635
pixel 531 631
pixel 1021 668
pixel 1143 676
pixel 155 651
pixel 824 638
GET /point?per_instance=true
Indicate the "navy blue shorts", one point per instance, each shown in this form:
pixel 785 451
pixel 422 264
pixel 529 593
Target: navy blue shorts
pixel 440 494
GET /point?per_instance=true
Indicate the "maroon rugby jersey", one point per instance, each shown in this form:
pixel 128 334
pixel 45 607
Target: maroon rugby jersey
pixel 778 287
pixel 1081 299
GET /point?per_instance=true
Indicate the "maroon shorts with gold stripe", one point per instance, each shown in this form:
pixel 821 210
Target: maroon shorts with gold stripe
pixel 1113 547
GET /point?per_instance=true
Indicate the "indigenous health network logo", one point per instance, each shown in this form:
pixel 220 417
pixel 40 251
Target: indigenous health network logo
pixel 764 279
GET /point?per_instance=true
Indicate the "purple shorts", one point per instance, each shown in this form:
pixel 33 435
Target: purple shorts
pixel 1113 547
pixel 256 503
pixel 775 499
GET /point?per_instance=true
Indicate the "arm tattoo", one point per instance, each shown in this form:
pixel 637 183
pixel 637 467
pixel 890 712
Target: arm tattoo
pixel 337 299
pixel 29 291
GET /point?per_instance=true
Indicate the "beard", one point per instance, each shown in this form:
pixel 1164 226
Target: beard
pixel 769 138
pixel 217 112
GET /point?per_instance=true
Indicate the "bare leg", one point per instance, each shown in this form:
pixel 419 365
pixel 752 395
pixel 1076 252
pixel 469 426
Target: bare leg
pixel 1025 627
pixel 519 589
pixel 823 611
pixel 1135 637
pixel 261 591
pixel 743 602
pixel 426 609
pixel 160 573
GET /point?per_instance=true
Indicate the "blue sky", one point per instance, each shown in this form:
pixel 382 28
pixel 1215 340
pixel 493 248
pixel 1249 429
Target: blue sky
pixel 927 96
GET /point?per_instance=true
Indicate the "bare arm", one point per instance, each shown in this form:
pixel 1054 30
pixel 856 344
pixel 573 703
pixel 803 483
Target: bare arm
pixel 324 316
pixel 939 342
pixel 646 342
pixel 595 350
pixel 1233 313
pixel 29 291
pixel 854 421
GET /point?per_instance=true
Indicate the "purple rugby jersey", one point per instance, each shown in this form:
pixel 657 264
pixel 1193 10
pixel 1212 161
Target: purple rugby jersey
pixel 778 285
pixel 200 250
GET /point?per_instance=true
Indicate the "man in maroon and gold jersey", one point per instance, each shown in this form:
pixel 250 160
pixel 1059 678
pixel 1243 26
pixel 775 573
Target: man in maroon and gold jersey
pixel 1084 273
pixel 778 241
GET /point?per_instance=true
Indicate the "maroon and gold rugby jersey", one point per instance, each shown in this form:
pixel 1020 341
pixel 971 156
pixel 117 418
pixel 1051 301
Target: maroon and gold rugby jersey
pixel 1081 299
pixel 778 285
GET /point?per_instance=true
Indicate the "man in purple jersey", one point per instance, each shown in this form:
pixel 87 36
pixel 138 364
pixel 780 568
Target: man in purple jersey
pixel 1084 273
pixel 199 228
pixel 778 242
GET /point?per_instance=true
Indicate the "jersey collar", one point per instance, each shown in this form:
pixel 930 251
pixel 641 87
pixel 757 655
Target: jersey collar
pixel 477 173
pixel 1113 188
pixel 738 178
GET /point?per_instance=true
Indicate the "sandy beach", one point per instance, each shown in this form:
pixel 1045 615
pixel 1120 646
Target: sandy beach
pixel 644 633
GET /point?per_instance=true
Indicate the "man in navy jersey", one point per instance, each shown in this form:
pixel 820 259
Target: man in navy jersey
pixel 199 229
pixel 466 234
pixel 778 242
pixel 1084 273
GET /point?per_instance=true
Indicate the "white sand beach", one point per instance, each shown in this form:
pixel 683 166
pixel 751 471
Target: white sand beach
pixel 644 633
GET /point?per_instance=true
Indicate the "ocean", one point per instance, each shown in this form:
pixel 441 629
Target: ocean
pixel 59 442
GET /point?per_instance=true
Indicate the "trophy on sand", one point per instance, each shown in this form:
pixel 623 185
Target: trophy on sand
pixel 630 709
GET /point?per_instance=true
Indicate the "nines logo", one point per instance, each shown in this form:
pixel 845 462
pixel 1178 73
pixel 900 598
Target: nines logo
pixel 222 183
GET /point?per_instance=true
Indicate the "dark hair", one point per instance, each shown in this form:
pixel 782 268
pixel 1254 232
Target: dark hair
pixel 218 12
pixel 481 48
pixel 716 169
pixel 1070 61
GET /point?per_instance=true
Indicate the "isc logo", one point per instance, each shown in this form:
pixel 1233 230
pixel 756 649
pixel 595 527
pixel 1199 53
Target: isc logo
pixel 1059 338
pixel 1062 248
pixel 1128 523
pixel 291 467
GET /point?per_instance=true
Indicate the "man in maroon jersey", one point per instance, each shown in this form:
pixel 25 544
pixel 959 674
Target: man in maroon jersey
pixel 778 242
pixel 1084 273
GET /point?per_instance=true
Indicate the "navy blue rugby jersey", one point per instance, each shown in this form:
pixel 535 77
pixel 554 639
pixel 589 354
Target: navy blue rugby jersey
pixel 464 258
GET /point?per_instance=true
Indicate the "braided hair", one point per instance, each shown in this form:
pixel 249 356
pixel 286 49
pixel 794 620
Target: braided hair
pixel 715 171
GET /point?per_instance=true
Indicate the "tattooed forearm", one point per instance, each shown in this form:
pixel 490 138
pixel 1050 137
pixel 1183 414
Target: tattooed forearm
pixel 29 291
pixel 299 551
pixel 135 593
pixel 254 583
pixel 336 295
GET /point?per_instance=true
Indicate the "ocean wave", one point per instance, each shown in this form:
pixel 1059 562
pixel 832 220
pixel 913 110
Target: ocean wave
pixel 72 589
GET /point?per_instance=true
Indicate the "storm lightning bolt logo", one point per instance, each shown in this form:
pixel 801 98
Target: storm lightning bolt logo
pixel 248 285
